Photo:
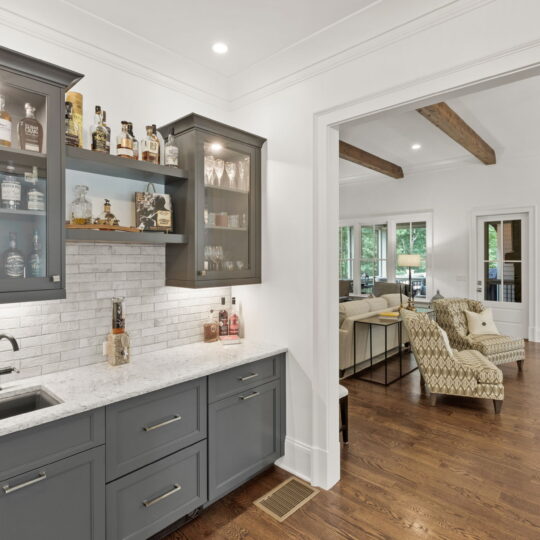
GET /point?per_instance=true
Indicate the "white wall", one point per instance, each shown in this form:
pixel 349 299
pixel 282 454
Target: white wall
pixel 450 194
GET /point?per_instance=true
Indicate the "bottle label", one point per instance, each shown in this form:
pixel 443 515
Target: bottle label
pixel 234 326
pixel 11 190
pixel 14 265
pixel 152 147
pixel 171 156
pixel 34 265
pixel 31 137
pixel 5 130
pixel 36 200
pixel 99 141
pixel 126 152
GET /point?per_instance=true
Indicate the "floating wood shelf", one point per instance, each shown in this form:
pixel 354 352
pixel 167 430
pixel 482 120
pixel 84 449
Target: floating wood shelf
pixel 92 235
pixel 79 159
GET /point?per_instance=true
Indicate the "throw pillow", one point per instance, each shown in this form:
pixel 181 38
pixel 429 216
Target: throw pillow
pixel 444 336
pixel 481 323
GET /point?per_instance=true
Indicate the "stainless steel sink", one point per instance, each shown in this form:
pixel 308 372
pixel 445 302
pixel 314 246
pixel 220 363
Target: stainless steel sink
pixel 32 400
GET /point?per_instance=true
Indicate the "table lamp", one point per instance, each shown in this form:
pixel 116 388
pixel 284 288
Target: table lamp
pixel 411 260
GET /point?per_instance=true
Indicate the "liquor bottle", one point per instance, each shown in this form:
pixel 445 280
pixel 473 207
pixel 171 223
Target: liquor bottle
pixel 5 123
pixel 104 122
pixel 12 259
pixel 234 321
pixel 71 127
pixel 30 131
pixel 34 263
pixel 171 152
pixel 81 208
pixel 35 199
pixel 107 217
pixel 135 141
pixel 124 142
pixel 161 140
pixel 223 319
pixel 211 329
pixel 150 146
pixel 10 189
pixel 98 133
pixel 76 100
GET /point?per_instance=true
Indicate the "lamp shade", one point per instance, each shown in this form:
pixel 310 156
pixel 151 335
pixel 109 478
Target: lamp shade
pixel 412 260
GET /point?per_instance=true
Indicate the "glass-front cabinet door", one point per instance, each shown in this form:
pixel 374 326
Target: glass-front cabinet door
pixel 227 249
pixel 31 188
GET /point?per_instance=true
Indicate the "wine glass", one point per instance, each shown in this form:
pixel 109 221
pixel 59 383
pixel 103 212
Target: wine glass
pixel 209 164
pixel 219 167
pixel 219 257
pixel 230 169
pixel 241 174
pixel 245 163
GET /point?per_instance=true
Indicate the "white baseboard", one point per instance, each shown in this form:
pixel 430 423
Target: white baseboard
pixel 534 334
pixel 297 459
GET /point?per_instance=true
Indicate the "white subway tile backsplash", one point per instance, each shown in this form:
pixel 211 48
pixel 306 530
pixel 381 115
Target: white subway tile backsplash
pixel 63 334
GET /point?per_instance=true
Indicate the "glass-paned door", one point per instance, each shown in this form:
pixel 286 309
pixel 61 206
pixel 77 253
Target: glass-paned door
pixel 27 196
pixel 373 256
pixel 411 238
pixel 346 252
pixel 228 243
pixel 502 269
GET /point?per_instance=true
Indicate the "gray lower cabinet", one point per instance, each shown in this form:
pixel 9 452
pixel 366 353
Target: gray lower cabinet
pixel 60 501
pixel 146 501
pixel 244 437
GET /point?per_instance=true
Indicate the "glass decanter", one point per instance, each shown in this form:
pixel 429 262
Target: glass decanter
pixel 81 208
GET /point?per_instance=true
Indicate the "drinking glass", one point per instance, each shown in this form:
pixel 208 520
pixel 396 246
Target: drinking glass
pixel 230 169
pixel 219 257
pixel 245 161
pixel 240 265
pixel 242 172
pixel 209 164
pixel 219 167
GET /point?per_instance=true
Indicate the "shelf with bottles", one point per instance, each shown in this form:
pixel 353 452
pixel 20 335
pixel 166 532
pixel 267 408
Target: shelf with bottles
pixel 22 190
pixel 22 120
pixel 22 255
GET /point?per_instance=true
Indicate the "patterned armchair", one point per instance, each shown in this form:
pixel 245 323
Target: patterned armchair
pixel 450 313
pixel 463 373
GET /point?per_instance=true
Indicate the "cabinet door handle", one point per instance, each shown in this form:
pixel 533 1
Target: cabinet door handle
pixel 175 489
pixel 10 489
pixel 162 424
pixel 255 394
pixel 247 377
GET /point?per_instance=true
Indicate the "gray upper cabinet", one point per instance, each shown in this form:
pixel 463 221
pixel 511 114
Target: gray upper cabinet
pixel 220 205
pixel 32 177
pixel 60 501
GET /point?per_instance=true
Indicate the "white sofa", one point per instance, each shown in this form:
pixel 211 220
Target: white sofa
pixel 362 309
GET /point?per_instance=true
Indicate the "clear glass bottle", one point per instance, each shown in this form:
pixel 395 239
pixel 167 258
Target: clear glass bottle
pixel 5 123
pixel 35 199
pixel 135 141
pixel 211 328
pixel 98 133
pixel 71 126
pixel 171 152
pixel 81 208
pixel 30 131
pixel 161 140
pixel 104 122
pixel 34 263
pixel 12 260
pixel 150 146
pixel 223 319
pixel 124 142
pixel 10 189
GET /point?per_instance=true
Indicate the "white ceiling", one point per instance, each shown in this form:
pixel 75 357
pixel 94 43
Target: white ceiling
pixel 506 117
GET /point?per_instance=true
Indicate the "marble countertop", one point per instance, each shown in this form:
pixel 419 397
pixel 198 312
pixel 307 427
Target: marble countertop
pixel 86 388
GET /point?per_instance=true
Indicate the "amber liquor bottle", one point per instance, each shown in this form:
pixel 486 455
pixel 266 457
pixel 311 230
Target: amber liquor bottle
pixel 5 123
pixel 30 131
pixel 150 146
pixel 124 142
pixel 99 133
pixel 223 319
pixel 135 141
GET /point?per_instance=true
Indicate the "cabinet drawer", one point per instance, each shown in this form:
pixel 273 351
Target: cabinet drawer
pixel 146 501
pixel 245 434
pixel 146 428
pixel 63 500
pixel 232 381
pixel 25 450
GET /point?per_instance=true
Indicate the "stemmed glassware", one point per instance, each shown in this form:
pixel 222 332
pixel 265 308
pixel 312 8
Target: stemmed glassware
pixel 219 168
pixel 230 169
pixel 209 164
pixel 243 173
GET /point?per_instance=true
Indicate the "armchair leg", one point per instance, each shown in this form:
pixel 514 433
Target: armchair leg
pixel 497 403
pixel 344 413
pixel 520 365
pixel 433 399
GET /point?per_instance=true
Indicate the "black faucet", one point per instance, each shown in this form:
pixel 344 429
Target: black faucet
pixel 11 339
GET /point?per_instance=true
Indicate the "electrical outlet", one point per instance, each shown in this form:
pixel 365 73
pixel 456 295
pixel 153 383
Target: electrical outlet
pixel 104 348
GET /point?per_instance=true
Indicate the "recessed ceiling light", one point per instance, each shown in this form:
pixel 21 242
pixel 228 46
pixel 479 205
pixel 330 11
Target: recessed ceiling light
pixel 416 146
pixel 220 48
pixel 216 147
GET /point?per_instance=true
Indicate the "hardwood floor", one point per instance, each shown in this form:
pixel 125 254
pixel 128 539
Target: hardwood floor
pixel 454 471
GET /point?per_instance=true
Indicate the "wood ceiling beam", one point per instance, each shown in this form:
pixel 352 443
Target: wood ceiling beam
pixel 361 157
pixel 448 121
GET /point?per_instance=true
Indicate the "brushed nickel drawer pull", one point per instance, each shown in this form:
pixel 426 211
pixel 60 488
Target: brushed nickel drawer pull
pixel 247 377
pixel 255 394
pixel 10 489
pixel 175 489
pixel 162 424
